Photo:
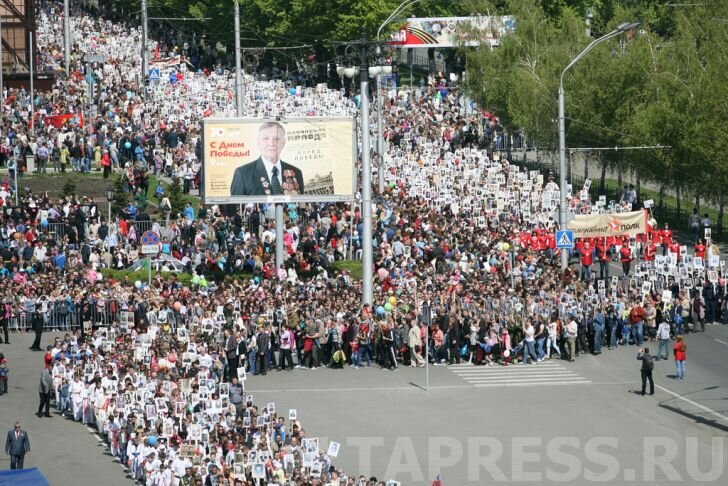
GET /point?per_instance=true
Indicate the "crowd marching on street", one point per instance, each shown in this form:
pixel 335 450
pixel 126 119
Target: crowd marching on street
pixel 467 268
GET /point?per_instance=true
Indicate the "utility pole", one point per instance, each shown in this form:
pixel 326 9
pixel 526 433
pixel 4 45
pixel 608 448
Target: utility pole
pixel 380 136
pixel 2 64
pixel 238 63
pixel 67 35
pixel 32 92
pixel 145 51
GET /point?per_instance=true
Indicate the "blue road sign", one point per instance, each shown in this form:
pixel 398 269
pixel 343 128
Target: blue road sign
pixel 565 239
pixel 154 74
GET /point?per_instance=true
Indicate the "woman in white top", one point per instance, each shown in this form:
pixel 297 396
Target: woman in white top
pixel 529 348
pixel 76 389
pixel 553 338
pixel 663 340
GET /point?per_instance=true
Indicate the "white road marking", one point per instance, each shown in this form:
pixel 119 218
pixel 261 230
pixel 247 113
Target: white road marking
pixel 533 383
pixel 721 341
pixel 693 403
pixel 518 375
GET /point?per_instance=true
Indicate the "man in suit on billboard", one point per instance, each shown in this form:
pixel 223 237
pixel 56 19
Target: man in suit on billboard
pixel 268 174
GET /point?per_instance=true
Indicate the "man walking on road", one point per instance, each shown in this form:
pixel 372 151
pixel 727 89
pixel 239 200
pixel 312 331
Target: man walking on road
pixel 44 390
pixel 17 445
pixel 38 328
pixel 648 364
pixel 414 340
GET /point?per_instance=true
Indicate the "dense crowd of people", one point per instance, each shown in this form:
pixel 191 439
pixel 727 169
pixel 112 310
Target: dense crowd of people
pixel 465 256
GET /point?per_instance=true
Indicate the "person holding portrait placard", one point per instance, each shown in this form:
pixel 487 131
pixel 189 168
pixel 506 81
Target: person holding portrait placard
pixel 268 174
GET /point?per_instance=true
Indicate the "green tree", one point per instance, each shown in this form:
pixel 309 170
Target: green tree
pixel 176 196
pixel 121 198
pixel 69 187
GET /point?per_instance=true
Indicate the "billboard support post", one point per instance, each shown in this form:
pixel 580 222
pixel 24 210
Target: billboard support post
pixel 279 236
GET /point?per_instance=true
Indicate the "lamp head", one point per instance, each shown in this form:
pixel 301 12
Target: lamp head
pixel 375 71
pixel 627 26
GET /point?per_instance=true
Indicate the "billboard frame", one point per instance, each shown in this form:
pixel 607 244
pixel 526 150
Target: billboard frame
pixel 275 199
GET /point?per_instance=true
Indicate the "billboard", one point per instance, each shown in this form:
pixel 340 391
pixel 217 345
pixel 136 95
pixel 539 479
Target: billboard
pixel 454 31
pixel 293 160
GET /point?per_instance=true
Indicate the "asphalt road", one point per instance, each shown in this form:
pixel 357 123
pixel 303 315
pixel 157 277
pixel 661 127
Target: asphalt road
pixel 66 452
pixel 551 423
pixel 555 422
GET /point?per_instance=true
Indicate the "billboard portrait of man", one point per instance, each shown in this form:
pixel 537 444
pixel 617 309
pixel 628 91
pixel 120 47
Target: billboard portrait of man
pixel 268 174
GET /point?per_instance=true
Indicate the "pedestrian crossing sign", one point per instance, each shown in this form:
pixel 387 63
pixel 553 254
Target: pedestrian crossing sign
pixel 565 239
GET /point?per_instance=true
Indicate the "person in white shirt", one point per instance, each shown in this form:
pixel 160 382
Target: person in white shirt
pixel 76 389
pixel 205 359
pixel 134 451
pixel 663 340
pixel 178 468
pixel 151 466
pixel 529 349
pixel 572 329
pixel 39 253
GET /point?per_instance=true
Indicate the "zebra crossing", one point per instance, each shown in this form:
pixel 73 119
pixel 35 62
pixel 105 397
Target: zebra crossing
pixel 544 373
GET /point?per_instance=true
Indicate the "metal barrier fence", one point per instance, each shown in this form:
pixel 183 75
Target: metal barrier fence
pixel 517 141
pixel 58 316
pixel 142 226
pixel 57 230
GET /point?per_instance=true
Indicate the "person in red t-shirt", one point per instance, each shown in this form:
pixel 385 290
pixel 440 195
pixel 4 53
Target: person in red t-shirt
pixel 666 237
pixel 700 249
pixel 625 256
pixel 551 244
pixel 650 252
pixel 603 255
pixel 674 248
pixel 587 258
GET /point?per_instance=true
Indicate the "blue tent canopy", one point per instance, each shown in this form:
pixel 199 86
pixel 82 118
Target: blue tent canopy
pixel 23 477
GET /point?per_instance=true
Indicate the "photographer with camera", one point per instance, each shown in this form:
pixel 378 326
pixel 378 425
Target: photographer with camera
pixel 648 364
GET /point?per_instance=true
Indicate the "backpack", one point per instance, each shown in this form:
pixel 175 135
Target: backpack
pixel 649 362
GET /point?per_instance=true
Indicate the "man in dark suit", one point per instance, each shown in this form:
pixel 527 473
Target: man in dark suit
pixel 231 353
pixel 268 174
pixel 17 445
pixel 44 391
pixel 38 328
pixel 4 320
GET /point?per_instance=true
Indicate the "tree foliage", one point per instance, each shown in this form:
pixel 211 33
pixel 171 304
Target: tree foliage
pixel 664 84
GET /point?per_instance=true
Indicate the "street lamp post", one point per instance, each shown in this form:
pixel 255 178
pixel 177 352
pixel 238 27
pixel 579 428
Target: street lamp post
pixel 621 28
pixel 386 70
pixel 377 72
pixel 109 199
pixel 361 52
